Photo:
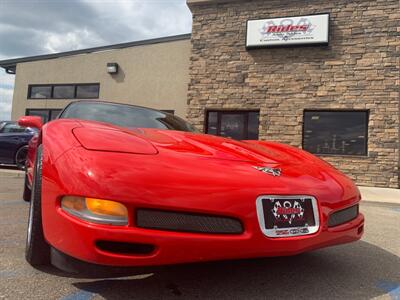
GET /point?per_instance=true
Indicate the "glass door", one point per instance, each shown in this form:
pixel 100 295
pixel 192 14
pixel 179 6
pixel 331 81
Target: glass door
pixel 238 125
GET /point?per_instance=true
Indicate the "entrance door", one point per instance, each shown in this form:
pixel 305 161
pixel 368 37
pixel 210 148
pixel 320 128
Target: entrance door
pixel 238 125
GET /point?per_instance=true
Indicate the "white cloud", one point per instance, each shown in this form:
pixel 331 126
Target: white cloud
pixel 6 94
pixel 77 39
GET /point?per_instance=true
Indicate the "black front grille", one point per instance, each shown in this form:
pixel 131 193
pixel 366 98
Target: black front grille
pixel 343 216
pixel 187 222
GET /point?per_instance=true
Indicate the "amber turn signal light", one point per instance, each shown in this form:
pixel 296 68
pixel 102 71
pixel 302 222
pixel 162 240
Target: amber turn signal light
pixel 96 210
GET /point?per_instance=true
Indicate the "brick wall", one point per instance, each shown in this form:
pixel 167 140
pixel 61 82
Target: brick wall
pixel 358 70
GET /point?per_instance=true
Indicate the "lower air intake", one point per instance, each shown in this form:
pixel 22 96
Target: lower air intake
pixel 343 216
pixel 185 222
pixel 125 248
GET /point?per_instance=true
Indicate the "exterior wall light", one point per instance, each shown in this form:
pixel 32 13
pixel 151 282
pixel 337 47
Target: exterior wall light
pixel 112 68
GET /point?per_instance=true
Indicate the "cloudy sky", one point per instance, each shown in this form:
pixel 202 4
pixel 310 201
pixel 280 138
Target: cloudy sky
pixel 32 27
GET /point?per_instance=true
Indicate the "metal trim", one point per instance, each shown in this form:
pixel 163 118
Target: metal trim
pixel 272 232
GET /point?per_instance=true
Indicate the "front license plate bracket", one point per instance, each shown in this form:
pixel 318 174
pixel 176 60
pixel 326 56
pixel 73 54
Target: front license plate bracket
pixel 285 216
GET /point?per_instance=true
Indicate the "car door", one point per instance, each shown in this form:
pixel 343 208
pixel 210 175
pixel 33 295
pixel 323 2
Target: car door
pixel 12 137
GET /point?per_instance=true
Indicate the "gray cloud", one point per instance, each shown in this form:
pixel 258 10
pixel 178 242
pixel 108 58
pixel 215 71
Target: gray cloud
pixel 33 27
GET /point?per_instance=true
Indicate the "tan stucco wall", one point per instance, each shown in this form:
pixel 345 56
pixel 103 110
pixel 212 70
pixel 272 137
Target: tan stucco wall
pixel 153 75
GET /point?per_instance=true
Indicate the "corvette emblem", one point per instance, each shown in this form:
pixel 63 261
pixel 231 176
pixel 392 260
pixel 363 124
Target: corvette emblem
pixel 268 170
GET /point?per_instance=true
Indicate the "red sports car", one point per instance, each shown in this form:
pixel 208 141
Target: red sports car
pixel 113 185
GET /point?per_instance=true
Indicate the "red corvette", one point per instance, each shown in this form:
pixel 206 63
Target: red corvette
pixel 113 185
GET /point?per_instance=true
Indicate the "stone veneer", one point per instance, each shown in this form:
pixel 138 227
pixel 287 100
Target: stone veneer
pixel 358 70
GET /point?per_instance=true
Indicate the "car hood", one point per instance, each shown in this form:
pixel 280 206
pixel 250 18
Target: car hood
pixel 208 146
pixel 199 159
pixel 101 136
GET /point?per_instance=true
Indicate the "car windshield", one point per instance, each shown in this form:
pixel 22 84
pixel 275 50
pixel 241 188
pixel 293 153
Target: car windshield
pixel 125 116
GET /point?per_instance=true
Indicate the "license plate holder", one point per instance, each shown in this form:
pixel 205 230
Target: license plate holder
pixel 283 216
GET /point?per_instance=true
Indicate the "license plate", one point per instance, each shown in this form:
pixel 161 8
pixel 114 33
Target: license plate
pixel 281 216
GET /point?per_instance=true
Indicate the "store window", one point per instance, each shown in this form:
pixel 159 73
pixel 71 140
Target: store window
pixel 87 91
pixel 336 132
pixel 46 114
pixel 64 91
pixel 39 92
pixel 239 125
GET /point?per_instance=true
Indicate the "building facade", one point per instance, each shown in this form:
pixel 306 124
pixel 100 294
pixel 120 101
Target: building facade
pixel 339 100
pixel 319 75
pixel 152 73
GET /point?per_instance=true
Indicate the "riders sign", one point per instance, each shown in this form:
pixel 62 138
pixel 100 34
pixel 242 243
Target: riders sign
pixel 302 30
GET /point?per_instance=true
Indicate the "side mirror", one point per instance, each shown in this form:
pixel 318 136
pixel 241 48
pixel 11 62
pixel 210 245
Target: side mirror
pixel 30 121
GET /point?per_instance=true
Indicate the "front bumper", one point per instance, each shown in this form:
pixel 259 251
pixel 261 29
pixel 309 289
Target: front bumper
pixel 78 239
pixel 233 197
pixel 175 250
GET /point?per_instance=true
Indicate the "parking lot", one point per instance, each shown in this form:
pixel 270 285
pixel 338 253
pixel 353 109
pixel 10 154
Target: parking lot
pixel 363 270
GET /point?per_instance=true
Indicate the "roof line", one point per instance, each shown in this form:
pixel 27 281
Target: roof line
pixel 10 64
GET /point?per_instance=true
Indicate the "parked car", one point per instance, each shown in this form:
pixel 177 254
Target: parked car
pixel 117 186
pixel 14 141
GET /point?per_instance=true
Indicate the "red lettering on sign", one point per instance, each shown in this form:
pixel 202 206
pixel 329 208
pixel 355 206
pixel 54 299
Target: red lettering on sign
pixel 286 28
pixel 288 211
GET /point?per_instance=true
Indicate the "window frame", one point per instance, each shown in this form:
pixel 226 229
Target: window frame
pixel 60 85
pixel 366 111
pixel 231 111
pixel 86 84
pixel 75 85
pixel 49 112
pixel 29 95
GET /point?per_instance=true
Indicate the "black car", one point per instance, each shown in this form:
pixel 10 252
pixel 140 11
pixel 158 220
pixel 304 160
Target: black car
pixel 14 141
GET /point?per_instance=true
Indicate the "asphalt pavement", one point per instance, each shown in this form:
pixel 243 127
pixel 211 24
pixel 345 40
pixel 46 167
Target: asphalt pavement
pixel 366 269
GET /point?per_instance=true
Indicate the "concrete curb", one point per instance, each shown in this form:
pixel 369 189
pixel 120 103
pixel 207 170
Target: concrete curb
pixel 380 195
pixel 12 173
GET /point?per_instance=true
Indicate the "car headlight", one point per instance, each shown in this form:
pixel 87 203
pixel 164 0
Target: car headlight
pixel 96 210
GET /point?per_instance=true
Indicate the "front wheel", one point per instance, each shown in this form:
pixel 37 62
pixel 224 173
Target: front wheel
pixel 20 157
pixel 37 251
pixel 27 191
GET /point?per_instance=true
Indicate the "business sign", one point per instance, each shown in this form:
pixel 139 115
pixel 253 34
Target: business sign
pixel 289 31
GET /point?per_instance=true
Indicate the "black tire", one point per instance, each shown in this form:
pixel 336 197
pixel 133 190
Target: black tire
pixel 20 157
pixel 37 251
pixel 27 191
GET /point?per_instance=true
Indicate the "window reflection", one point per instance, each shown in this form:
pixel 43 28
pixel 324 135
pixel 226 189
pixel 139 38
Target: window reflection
pixel 239 125
pixel 64 91
pixel 40 92
pixel 336 132
pixel 46 114
pixel 125 116
pixel 87 91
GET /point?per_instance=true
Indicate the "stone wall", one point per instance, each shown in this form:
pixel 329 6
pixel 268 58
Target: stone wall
pixel 358 70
